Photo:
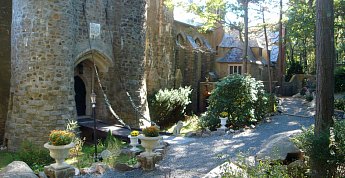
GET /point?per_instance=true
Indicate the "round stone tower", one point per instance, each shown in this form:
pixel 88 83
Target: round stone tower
pixel 42 94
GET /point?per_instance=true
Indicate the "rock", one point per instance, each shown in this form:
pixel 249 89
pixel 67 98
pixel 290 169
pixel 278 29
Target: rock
pixel 252 126
pixel 123 167
pixel 190 134
pixel 230 168
pixel 161 151
pixel 100 168
pixel 137 165
pixel 105 154
pixel 278 146
pixel 42 175
pixel 219 132
pixel 296 168
pixel 250 161
pixel 130 153
pixel 17 169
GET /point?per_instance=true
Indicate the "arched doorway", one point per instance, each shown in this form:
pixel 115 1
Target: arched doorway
pixel 80 96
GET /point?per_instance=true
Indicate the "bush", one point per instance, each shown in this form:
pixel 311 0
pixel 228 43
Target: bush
pixel 339 78
pixel 36 157
pixel 334 155
pixel 169 106
pixel 339 104
pixel 261 169
pixel 241 96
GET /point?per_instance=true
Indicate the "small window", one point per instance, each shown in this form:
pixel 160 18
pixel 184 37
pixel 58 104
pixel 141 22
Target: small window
pixel 260 52
pixel 233 69
pixel 216 50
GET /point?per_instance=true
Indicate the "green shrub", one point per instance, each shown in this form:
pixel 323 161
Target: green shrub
pixel 339 79
pixel 334 156
pixel 339 104
pixel 169 106
pixel 239 95
pixel 36 157
pixel 263 169
pixel 309 97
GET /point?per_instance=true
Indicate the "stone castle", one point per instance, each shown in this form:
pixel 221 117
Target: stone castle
pixel 48 60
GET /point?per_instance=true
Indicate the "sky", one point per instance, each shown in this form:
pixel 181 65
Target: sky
pixel 271 17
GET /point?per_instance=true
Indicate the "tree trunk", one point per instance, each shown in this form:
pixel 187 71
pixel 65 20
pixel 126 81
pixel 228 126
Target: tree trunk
pixel 245 54
pixel 268 57
pixel 325 56
pixel 281 51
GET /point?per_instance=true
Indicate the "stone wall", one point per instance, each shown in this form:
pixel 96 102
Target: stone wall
pixel 160 44
pixel 42 96
pixel 5 61
pixel 49 40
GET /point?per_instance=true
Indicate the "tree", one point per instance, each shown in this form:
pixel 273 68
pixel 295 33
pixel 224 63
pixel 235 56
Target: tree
pixel 325 58
pixel 213 13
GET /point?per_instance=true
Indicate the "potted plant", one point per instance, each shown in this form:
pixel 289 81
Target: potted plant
pixel 59 144
pixel 134 140
pixel 149 139
pixel 223 117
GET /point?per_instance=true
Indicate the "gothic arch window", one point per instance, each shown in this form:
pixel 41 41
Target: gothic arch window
pixel 198 42
pixel 180 39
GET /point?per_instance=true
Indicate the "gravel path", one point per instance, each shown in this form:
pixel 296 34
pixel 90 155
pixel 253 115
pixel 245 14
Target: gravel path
pixel 197 158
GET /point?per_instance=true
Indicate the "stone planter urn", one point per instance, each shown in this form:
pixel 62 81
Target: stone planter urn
pixel 134 143
pixel 149 143
pixel 223 122
pixel 59 153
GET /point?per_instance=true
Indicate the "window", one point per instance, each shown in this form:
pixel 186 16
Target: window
pixel 235 69
pixel 260 52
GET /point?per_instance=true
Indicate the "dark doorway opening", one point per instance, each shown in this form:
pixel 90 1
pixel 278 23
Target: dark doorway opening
pixel 80 96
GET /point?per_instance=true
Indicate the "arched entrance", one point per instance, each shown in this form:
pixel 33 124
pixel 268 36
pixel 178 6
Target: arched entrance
pixel 80 96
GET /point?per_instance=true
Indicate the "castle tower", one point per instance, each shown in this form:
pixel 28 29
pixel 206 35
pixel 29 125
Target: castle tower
pixel 41 95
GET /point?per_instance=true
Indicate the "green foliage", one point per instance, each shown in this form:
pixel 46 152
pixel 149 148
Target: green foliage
pixel 169 106
pixel 334 155
pixel 309 97
pixel 294 68
pixel 339 78
pixel 7 158
pixel 36 157
pixel 262 169
pixel 339 104
pixel 241 96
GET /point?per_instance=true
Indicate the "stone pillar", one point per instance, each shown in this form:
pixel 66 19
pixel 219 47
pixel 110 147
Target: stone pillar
pixel 42 95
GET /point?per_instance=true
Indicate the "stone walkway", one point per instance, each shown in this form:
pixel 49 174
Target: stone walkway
pixel 195 158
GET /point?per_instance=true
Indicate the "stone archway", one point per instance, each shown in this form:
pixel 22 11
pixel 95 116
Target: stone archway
pixel 84 71
pixel 80 96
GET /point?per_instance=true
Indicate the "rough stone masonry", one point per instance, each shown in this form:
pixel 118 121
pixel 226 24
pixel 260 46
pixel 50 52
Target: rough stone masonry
pixel 49 39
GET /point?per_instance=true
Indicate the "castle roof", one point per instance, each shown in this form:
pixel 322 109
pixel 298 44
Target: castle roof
pixel 235 55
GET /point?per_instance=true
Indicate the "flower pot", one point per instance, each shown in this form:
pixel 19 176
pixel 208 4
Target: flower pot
pixel 223 122
pixel 149 143
pixel 134 143
pixel 59 153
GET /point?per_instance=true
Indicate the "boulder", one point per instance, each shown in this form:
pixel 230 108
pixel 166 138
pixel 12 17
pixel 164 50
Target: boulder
pixel 231 170
pixel 278 146
pixel 17 169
